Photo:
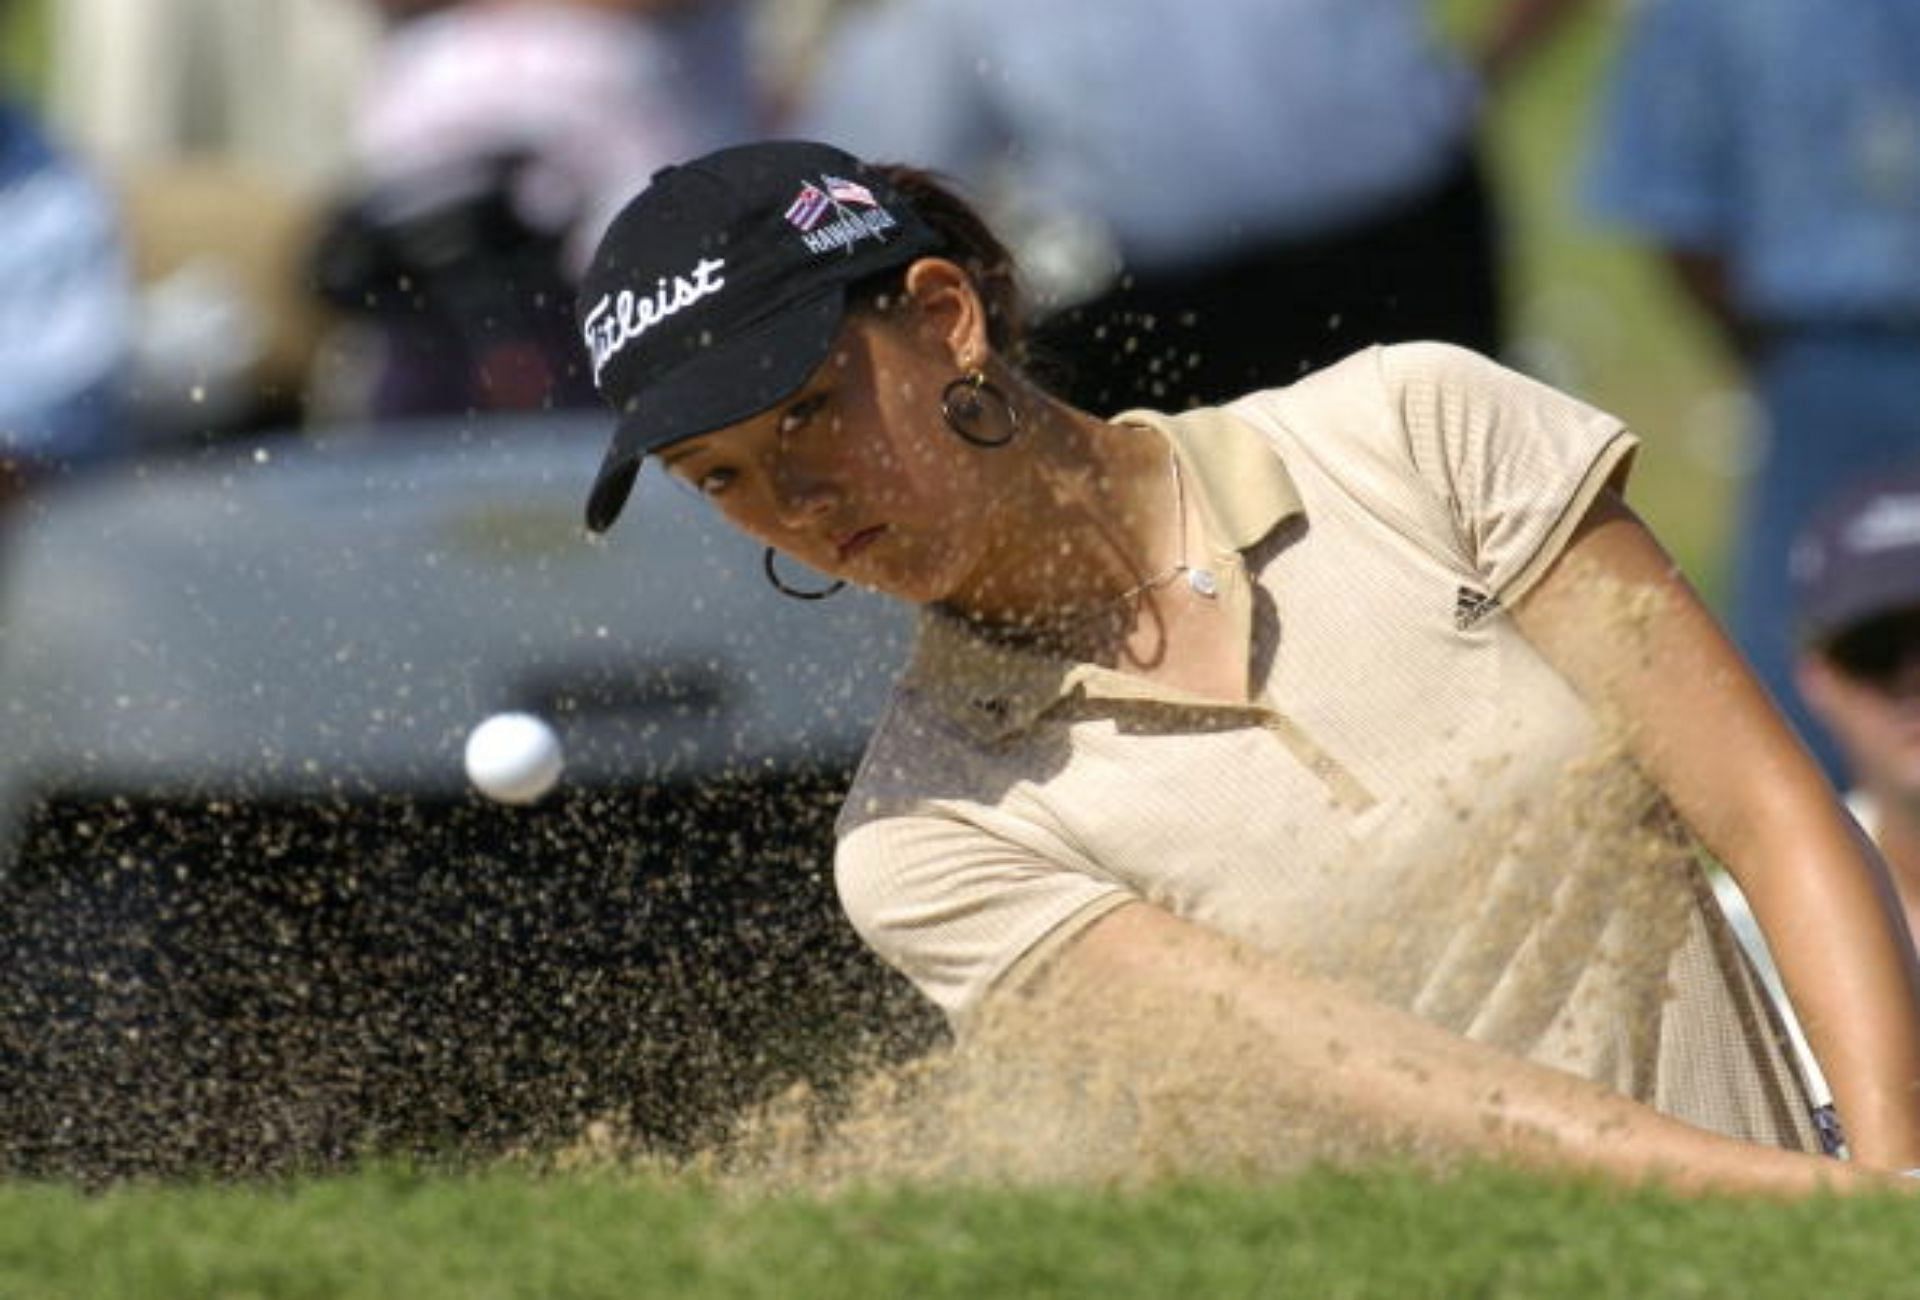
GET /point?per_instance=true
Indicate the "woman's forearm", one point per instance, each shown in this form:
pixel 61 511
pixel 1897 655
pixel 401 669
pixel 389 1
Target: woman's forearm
pixel 1198 1005
pixel 1809 880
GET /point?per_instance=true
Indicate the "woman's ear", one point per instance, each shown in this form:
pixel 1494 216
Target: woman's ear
pixel 948 308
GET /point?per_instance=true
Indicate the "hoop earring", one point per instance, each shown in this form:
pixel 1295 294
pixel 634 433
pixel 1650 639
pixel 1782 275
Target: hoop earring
pixel 795 593
pixel 964 402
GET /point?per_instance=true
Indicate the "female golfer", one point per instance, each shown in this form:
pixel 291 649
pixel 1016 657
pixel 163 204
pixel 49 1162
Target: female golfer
pixel 1286 721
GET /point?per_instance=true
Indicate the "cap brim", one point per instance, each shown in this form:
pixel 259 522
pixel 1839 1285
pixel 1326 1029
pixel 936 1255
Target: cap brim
pixel 728 382
pixel 1888 585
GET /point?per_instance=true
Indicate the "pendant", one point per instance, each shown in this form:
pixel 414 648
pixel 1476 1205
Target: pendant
pixel 1203 582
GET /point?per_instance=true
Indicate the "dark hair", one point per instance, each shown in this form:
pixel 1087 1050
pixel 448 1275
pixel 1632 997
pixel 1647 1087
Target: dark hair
pixel 967 240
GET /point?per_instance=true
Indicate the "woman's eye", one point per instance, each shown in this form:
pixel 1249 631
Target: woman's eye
pixel 713 482
pixel 801 413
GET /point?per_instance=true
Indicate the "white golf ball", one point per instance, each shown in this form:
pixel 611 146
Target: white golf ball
pixel 514 758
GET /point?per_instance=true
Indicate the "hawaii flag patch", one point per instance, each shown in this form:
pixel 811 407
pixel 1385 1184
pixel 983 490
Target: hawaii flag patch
pixel 808 207
pixel 836 213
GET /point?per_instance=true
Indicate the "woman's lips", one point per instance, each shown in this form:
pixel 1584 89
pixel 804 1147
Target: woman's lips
pixel 853 543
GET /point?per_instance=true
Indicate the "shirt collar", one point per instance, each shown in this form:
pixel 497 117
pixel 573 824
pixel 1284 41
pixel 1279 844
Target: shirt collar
pixel 994 690
pixel 1243 489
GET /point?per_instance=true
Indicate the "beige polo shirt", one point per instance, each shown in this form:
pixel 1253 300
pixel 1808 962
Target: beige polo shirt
pixel 1416 803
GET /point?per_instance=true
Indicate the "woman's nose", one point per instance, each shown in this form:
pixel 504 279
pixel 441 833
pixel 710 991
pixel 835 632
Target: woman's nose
pixel 801 493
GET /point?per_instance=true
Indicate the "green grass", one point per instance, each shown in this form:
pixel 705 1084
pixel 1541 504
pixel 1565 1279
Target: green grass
pixel 23 43
pixel 1326 1234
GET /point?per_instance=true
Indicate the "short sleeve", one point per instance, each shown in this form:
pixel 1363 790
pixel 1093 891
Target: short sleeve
pixel 956 908
pixel 1516 462
pixel 1661 161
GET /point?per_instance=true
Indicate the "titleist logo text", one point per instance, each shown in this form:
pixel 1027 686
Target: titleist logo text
pixel 618 319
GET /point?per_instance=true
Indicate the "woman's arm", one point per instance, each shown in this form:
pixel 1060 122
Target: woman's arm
pixel 1616 617
pixel 1178 1007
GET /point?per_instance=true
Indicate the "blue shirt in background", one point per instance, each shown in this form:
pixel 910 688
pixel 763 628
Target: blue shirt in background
pixel 1190 130
pixel 66 305
pixel 1783 135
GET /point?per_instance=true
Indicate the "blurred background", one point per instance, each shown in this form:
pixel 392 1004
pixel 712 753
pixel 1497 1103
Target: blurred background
pixel 227 123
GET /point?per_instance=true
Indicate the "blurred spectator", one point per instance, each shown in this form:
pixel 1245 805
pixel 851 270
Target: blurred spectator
pixel 1771 150
pixel 596 94
pixel 227 322
pixel 65 309
pixel 1856 585
pixel 494 141
pixel 263 85
pixel 1213 196
pixel 215 122
pixel 790 37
